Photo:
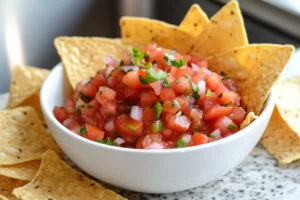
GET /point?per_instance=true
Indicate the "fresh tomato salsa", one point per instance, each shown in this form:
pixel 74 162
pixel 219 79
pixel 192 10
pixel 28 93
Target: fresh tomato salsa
pixel 154 99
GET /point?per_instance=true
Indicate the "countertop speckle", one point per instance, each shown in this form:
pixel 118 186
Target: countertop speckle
pixel 258 177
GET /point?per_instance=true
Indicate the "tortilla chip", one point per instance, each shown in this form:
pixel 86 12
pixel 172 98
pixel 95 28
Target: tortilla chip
pixel 255 68
pixel 22 171
pixel 23 137
pixel 82 57
pixel 25 82
pixel 224 32
pixel 280 140
pixel 56 180
pixel 149 30
pixel 288 101
pixel 194 20
pixel 34 101
pixel 7 185
pixel 248 120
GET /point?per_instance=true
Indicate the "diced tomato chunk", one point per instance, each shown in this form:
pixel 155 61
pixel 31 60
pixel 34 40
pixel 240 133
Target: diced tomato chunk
pixel 148 116
pixel 167 94
pixel 94 133
pixel 108 93
pixel 212 81
pixel 226 125
pixel 178 123
pixel 60 114
pixel 182 85
pixel 90 90
pixel 148 99
pixel 217 111
pixel 198 139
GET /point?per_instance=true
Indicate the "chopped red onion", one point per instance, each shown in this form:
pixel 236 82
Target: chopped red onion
pixel 202 86
pixel 109 70
pixel 157 85
pixel 129 68
pixel 136 113
pixel 110 126
pixel 216 133
pixel 187 138
pixel 85 81
pixel 108 59
pixel 206 71
pixel 156 146
pixel 119 141
pixel 195 67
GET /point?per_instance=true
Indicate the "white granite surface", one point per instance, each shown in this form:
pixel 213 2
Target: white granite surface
pixel 258 177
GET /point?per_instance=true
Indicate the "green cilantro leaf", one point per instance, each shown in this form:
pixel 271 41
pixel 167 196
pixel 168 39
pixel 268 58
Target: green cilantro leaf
pixel 89 106
pixel 107 141
pixel 175 103
pixel 231 127
pixel 85 99
pixel 146 57
pixel 171 61
pixel 196 128
pixel 220 95
pixel 180 144
pixel 152 76
pixel 82 131
pixel 158 110
pixel 196 95
pixel 188 77
pixel 131 128
pixel 208 93
pixel 137 55
pixel 121 64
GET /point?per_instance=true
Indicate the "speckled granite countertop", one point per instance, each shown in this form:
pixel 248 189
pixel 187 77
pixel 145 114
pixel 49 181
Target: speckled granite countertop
pixel 258 177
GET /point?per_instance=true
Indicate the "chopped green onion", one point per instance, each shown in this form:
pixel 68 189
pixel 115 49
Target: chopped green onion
pixel 158 110
pixel 231 127
pixel 180 144
pixel 157 126
pixel 208 93
pixel 166 83
pixel 131 128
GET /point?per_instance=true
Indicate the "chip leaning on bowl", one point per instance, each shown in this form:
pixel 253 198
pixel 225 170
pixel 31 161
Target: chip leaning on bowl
pixel 183 90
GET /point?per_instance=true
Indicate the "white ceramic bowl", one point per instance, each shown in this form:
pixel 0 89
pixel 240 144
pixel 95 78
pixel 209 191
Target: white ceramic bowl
pixel 150 171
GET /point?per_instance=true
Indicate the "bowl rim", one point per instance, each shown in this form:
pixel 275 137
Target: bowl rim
pixel 267 110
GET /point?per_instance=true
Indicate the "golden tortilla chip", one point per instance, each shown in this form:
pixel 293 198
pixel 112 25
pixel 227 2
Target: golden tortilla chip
pixel 82 57
pixel 34 101
pixel 288 101
pixel 255 68
pixel 25 82
pixel 248 120
pixel 7 185
pixel 194 20
pixel 23 137
pixel 22 171
pixel 225 31
pixel 280 140
pixel 149 30
pixel 56 180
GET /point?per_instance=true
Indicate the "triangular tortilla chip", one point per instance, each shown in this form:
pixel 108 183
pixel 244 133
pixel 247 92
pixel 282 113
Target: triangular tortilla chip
pixel 194 20
pixel 255 68
pixel 23 137
pixel 34 101
pixel 25 82
pixel 22 171
pixel 248 120
pixel 7 185
pixel 225 31
pixel 149 30
pixel 288 101
pixel 280 140
pixel 82 57
pixel 56 180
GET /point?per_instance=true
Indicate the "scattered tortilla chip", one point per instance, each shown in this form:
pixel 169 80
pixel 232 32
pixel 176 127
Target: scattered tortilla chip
pixel 22 171
pixel 194 20
pixel 34 101
pixel 25 82
pixel 288 101
pixel 248 120
pixel 83 57
pixel 255 68
pixel 23 137
pixel 56 180
pixel 225 31
pixel 280 140
pixel 7 185
pixel 149 30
